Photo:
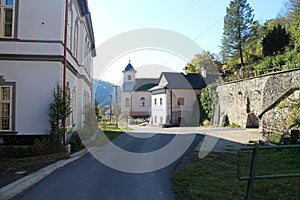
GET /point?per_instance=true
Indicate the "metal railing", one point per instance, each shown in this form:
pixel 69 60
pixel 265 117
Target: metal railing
pixel 255 151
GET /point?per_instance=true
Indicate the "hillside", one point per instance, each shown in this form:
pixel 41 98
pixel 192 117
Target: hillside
pixel 103 90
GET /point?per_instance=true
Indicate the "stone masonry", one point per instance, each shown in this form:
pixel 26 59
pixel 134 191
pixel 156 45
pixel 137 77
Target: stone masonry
pixel 242 101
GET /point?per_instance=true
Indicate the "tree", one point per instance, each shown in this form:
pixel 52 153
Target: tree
pixel 293 7
pixel 275 41
pixel 204 59
pixel 237 29
pixel 58 111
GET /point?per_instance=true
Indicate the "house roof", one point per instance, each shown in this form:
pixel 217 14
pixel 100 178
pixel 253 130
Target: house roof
pixel 180 81
pixel 211 78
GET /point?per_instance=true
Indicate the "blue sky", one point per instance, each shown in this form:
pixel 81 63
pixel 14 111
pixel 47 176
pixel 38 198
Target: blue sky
pixel 199 20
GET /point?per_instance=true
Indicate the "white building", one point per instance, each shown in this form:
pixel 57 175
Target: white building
pixel 135 97
pixel 31 61
pixel 175 100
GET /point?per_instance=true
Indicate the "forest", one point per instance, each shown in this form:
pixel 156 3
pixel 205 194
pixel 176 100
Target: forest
pixel 249 48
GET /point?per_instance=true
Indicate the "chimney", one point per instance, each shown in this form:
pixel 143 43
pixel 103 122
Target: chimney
pixel 203 72
pixel 185 71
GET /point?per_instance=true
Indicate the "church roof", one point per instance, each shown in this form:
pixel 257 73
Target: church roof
pixel 144 84
pixel 129 67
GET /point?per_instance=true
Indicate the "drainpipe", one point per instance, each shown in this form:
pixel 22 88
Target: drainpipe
pixel 171 107
pixel 65 69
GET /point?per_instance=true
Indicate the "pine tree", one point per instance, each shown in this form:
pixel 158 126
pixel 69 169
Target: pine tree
pixel 275 41
pixel 237 29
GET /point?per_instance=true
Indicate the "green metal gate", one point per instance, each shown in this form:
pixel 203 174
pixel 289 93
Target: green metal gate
pixel 255 151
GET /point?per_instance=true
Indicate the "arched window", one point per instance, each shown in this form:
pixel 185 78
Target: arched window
pixel 142 102
pixel 127 102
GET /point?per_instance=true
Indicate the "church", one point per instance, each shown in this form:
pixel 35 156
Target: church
pixel 170 100
pixel 135 97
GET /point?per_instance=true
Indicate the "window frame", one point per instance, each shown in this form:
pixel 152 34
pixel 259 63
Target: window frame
pixel 127 102
pixel 76 37
pixel 3 23
pixel 12 102
pixel 180 101
pixel 70 26
pixel 142 102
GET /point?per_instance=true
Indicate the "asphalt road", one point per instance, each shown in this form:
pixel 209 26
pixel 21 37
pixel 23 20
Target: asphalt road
pixel 121 177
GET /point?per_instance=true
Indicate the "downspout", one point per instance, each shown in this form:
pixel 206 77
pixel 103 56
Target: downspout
pixel 130 112
pixel 65 69
pixel 171 107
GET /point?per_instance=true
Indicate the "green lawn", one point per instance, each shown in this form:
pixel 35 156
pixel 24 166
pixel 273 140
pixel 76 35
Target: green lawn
pixel 111 132
pixel 215 176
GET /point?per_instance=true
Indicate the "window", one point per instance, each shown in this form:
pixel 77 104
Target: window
pixel 160 101
pixel 7 8
pixel 86 98
pixel 155 101
pixel 70 26
pixel 142 102
pixel 180 101
pixel 87 55
pixel 76 32
pixel 161 120
pixel 7 105
pixel 127 102
pixel 129 77
pixel 74 106
pixel 155 119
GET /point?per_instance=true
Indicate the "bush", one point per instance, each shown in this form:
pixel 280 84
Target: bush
pixel 14 152
pixel 206 123
pixel 234 125
pixel 39 147
pixel 75 142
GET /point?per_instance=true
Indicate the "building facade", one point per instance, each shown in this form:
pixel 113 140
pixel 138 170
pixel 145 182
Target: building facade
pixel 175 100
pixel 31 62
pixel 135 97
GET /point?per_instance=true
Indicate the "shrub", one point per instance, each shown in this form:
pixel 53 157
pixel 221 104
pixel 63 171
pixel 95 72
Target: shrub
pixel 206 123
pixel 75 142
pixel 234 125
pixel 15 152
pixel 39 147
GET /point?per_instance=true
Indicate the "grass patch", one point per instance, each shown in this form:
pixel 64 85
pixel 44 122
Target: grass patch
pixel 9 167
pixel 111 132
pixel 113 128
pixel 215 177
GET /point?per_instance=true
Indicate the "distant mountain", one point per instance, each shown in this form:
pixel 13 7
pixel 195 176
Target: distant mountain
pixel 103 90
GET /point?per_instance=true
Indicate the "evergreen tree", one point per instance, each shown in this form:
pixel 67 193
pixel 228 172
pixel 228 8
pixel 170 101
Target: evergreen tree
pixel 58 111
pixel 237 29
pixel 293 7
pixel 275 41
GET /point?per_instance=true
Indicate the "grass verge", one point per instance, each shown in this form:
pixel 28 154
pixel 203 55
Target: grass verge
pixel 25 166
pixel 111 132
pixel 215 176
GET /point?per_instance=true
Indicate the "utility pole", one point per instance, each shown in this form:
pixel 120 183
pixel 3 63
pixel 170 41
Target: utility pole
pixel 110 108
pixel 116 106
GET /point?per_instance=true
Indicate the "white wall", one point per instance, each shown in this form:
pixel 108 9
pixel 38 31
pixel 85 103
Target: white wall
pixel 34 82
pixel 159 111
pixel 40 20
pixel 40 30
pixel 164 111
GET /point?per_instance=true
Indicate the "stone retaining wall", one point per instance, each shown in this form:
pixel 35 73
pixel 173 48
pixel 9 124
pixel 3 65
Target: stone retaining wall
pixel 242 101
